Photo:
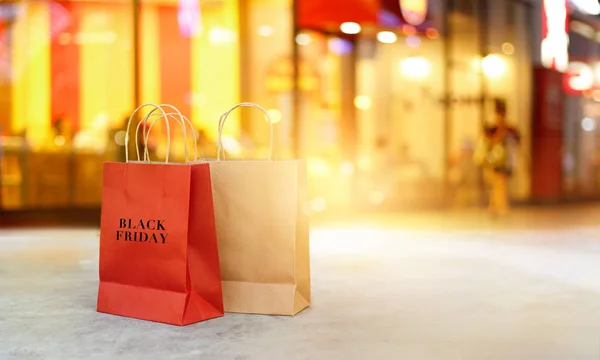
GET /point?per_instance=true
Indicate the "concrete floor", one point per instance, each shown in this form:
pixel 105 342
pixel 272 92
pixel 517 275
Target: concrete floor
pixel 438 286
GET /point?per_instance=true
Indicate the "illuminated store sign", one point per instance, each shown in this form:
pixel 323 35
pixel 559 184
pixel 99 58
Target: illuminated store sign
pixel 582 77
pixel 555 35
pixel 591 7
pixel 414 12
pixel 188 16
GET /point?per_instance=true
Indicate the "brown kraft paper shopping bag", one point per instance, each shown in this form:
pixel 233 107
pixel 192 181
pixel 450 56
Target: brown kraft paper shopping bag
pixel 262 232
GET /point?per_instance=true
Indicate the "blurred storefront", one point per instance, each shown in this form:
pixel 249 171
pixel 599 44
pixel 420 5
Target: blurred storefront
pixel 405 90
pixel 580 156
pixel 385 99
pixel 70 74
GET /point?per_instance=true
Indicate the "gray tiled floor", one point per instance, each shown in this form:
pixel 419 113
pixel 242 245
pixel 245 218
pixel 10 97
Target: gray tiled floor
pixel 397 287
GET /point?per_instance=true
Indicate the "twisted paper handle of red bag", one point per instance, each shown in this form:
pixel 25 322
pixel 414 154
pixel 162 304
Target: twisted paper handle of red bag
pixel 221 150
pixel 181 120
pixel 146 134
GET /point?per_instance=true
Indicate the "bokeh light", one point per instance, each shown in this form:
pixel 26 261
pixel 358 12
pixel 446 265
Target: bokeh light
pixel 362 102
pixel 266 30
pixel 120 138
pixel 493 66
pixel 588 124
pixel 508 48
pixel 376 197
pixel 318 204
pixel 409 30
pixel 413 41
pixel 59 140
pixel 303 39
pixel 387 37
pixel 275 115
pixel 415 67
pixel 347 169
pixel 432 33
pixel 350 28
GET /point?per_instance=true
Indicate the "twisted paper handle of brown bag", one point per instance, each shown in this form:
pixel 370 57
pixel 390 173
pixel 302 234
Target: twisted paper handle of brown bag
pixel 221 150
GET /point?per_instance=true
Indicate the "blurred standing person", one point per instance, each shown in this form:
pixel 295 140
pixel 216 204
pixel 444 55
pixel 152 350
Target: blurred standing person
pixel 496 153
pixel 62 132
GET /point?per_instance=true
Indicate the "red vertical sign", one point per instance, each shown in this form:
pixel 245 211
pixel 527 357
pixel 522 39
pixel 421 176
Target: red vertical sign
pixel 547 136
pixel 5 75
pixel 175 61
pixel 64 61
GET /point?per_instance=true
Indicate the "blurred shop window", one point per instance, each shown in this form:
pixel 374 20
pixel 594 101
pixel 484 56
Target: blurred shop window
pixel 400 115
pixel 67 69
pixel 267 73
pixel 190 59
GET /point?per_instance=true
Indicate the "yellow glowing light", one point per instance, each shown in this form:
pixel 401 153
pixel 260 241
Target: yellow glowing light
pixel 318 204
pixel 415 67
pixel 275 115
pixel 376 197
pixel 303 39
pixel 221 36
pixel 318 167
pixel 596 95
pixel 231 145
pixel 347 168
pixel 265 30
pixel 364 163
pixel 387 37
pixel 508 48
pixel 101 122
pixel 362 102
pixel 306 208
pixel 493 66
pixel 350 28
pixel 120 138
pixel 59 140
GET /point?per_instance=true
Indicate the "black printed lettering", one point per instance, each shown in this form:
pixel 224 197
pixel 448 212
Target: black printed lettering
pixel 159 225
pixel 140 225
pixel 149 225
pixel 148 231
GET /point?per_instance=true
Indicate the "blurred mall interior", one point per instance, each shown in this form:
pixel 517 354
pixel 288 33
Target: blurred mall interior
pixel 385 99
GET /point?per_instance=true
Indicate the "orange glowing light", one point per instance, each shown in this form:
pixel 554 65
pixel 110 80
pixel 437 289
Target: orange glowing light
pixel 409 30
pixel 432 33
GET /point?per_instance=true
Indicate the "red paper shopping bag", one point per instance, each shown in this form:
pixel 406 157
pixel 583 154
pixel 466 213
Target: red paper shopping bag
pixel 158 251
